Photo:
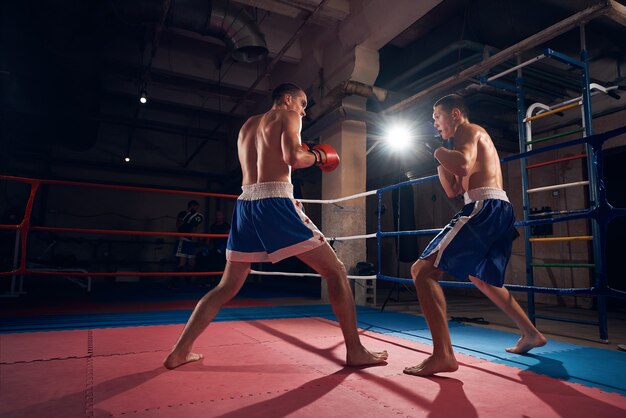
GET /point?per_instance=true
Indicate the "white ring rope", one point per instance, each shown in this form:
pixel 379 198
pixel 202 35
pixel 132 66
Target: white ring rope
pixel 373 235
pixel 557 186
pixel 341 199
pixel 328 201
pixel 282 273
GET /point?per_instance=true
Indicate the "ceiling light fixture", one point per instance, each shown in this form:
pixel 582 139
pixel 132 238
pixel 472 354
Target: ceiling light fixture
pixel 143 96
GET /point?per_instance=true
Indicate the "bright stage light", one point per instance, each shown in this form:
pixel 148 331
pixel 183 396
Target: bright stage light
pixel 398 136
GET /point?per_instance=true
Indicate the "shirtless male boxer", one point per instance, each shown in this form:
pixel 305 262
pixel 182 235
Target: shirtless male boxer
pixel 269 224
pixel 476 243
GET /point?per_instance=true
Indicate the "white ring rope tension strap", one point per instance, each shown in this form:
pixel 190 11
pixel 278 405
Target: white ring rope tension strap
pixel 274 273
pixel 372 235
pixel 341 199
pixel 558 186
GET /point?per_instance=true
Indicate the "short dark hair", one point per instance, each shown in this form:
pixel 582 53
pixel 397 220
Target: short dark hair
pixel 192 203
pixel 451 101
pixel 285 88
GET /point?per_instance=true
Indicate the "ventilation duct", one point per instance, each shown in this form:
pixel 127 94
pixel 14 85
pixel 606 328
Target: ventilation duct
pixel 217 18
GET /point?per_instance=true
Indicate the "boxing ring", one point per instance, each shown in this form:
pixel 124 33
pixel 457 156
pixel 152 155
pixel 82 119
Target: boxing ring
pixel 275 361
pixel 110 362
pixel 600 210
pixel 265 361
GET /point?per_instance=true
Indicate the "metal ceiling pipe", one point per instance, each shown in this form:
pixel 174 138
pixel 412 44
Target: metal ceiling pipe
pixel 217 18
pixel 444 52
pixel 606 7
pixel 442 73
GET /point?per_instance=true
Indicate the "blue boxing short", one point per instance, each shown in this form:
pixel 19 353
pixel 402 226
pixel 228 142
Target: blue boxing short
pixel 478 239
pixel 270 225
pixel 186 248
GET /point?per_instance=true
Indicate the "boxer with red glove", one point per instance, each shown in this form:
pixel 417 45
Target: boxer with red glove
pixel 269 224
pixel 326 158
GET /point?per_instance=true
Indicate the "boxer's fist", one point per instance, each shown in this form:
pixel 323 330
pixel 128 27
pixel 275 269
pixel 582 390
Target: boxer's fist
pixel 193 218
pixel 431 144
pixel 326 158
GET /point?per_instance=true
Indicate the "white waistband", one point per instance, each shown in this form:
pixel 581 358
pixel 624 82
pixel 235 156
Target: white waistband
pixel 483 193
pixel 266 190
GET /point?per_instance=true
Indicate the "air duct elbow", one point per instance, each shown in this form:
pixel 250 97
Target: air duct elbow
pixel 217 18
pixel 237 29
pixel 364 90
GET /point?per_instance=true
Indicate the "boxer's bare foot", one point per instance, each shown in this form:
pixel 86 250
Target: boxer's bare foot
pixel 364 357
pixel 174 359
pixel 527 343
pixel 432 365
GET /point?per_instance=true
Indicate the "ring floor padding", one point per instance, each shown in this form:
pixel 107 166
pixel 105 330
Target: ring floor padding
pixel 293 366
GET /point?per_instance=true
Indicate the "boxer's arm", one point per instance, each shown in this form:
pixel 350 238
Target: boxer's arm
pixel 451 184
pixel 294 154
pixel 461 159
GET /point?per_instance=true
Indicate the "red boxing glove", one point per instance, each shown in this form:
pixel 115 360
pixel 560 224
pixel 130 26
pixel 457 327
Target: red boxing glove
pixel 326 158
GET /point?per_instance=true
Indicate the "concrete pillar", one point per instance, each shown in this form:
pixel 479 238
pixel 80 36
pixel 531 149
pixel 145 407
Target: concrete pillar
pixel 348 137
pixel 346 218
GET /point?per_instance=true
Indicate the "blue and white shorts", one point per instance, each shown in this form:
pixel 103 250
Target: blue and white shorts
pixel 478 239
pixel 269 225
pixel 186 248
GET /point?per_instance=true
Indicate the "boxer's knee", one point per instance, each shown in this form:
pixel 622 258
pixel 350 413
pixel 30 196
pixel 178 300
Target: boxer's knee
pixel 422 269
pixel 415 268
pixel 335 271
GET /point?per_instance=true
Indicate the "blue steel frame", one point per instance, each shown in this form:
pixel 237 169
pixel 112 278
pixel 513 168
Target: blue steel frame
pixel 600 212
pixel 592 173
